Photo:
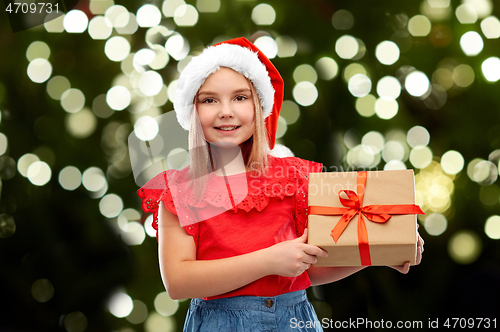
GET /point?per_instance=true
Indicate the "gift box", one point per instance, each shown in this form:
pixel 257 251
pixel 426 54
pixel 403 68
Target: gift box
pixel 363 218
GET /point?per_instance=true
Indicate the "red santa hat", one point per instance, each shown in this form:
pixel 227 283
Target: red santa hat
pixel 243 57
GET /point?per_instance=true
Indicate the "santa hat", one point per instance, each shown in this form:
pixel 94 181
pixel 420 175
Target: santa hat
pixel 243 57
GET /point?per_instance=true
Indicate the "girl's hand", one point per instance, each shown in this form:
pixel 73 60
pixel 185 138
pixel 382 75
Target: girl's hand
pixel 420 249
pixel 291 258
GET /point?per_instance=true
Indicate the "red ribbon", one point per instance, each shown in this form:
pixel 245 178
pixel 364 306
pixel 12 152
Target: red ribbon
pixel 354 205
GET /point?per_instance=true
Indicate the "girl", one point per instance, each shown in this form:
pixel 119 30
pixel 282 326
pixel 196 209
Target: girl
pixel 231 226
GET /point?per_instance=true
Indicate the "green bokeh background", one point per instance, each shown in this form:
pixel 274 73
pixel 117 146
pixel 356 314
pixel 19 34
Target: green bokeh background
pixel 61 235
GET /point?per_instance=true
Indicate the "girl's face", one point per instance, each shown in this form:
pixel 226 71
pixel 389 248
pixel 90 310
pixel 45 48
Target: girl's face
pixel 226 108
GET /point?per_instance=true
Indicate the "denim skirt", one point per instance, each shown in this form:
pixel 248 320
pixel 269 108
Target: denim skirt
pixel 287 312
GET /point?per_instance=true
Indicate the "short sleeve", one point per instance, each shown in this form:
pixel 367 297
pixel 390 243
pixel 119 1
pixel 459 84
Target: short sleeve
pixel 156 191
pixel 304 168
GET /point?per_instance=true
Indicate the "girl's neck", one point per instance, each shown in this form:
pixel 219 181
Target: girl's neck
pixel 231 159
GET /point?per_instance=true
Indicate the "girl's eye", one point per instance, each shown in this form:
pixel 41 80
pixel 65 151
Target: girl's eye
pixel 208 101
pixel 241 98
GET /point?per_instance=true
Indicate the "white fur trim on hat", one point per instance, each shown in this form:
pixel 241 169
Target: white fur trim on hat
pixel 281 151
pixel 238 58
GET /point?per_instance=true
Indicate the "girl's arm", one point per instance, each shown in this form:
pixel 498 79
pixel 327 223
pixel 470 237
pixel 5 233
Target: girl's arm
pixel 186 277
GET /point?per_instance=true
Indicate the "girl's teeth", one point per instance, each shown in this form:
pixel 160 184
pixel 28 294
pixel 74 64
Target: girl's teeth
pixel 228 128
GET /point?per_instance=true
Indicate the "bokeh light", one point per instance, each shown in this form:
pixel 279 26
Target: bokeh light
pixel 208 6
pixel 388 87
pixel 492 227
pixel 342 20
pixel 118 98
pixel 111 205
pixel 177 159
pixel 37 49
pixel 7 168
pixel 463 75
pixel 39 173
pixel 97 7
pixel 484 172
pixel 491 69
pixel 452 162
pixel 81 124
pixel 148 226
pixel 282 127
pixel 360 85
pixel 72 100
pixel 177 47
pixel 164 305
pixel 150 83
pixel 290 111
pixel 70 178
pixel 117 15
pixel 420 157
pixel 3 144
pixel 101 108
pixel 347 47
pixel 75 321
pixel 433 188
pixel 168 8
pixel 305 73
pixel 148 16
pixel 158 323
pixel 466 14
pixel 263 14
pixel 56 86
pixel 490 27
pixel 25 161
pixel 287 46
pixel 120 305
pixel 386 108
pixel 366 105
pixel 374 140
pixel 435 224
pixel 483 8
pixel 393 150
pixel 117 48
pixel 267 45
pixel 39 70
pixel 132 233
pixel 139 312
pixel 471 43
pixel 419 26
pixel 327 68
pixel 7 226
pixel 464 247
pixel 185 15
pixel 53 23
pixel 387 52
pixel 42 290
pixel 75 21
pixel 93 179
pixel 418 136
pixel 146 128
pixel 417 83
pixel 394 165
pixel 100 28
pixel 305 93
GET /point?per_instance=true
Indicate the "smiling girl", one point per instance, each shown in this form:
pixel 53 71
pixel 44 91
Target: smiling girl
pixel 232 225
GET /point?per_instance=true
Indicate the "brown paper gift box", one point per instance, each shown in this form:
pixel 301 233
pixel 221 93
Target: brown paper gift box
pixel 391 243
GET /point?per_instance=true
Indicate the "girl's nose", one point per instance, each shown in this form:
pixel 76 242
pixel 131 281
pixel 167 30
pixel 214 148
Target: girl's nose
pixel 226 111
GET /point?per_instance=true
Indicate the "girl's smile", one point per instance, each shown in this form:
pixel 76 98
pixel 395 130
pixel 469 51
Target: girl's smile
pixel 226 108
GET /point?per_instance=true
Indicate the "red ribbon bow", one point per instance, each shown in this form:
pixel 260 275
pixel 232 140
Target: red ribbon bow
pixel 354 205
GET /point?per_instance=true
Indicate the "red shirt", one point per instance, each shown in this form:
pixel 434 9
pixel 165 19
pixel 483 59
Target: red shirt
pixel 240 214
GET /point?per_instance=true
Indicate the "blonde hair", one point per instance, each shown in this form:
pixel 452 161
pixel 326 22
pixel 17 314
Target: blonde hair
pixel 205 160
